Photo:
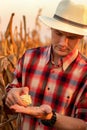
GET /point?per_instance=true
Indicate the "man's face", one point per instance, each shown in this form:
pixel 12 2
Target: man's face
pixel 63 43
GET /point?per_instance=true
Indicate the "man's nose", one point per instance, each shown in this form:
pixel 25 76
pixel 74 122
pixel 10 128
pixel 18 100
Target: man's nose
pixel 63 40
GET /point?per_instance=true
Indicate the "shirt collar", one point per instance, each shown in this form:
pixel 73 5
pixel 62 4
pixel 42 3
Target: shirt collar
pixel 66 60
pixel 69 59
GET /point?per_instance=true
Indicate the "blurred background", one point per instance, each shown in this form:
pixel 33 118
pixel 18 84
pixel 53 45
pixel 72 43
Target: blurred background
pixel 20 29
pixel 28 8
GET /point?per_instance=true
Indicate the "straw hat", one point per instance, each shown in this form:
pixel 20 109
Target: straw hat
pixel 70 16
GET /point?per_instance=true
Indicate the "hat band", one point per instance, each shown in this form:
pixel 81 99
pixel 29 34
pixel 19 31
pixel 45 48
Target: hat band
pixel 69 21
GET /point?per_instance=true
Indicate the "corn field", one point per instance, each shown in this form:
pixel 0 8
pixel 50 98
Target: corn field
pixel 12 47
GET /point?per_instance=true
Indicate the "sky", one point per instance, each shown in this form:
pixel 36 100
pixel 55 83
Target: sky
pixel 29 8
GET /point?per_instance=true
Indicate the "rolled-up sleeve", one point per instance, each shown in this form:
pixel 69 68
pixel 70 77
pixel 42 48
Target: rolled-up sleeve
pixel 81 111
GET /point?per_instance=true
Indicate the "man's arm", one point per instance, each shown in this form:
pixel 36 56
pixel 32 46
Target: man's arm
pixel 69 123
pixel 44 112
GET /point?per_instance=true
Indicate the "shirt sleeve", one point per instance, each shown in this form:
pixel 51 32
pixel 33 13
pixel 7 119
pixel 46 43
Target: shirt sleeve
pixel 81 111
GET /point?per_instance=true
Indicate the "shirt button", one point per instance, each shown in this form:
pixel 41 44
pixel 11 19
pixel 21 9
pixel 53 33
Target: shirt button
pixel 48 88
pixel 68 97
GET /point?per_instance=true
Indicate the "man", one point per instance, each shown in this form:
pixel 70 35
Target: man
pixel 55 76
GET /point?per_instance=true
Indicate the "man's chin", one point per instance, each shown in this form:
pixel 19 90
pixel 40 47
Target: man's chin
pixel 62 54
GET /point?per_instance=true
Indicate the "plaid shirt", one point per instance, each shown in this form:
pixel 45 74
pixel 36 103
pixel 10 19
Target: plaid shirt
pixel 65 90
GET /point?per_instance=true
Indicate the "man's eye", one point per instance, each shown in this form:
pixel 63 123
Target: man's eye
pixel 71 37
pixel 58 33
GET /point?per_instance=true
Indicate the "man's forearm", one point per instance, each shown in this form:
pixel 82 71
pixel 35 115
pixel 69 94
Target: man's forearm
pixel 69 123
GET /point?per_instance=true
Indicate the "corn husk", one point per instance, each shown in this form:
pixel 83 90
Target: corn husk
pixel 26 99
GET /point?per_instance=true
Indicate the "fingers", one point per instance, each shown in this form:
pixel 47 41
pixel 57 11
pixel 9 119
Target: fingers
pixel 9 101
pixel 14 99
pixel 13 96
pixel 18 109
pixel 19 101
pixel 25 90
pixel 46 108
pixel 35 111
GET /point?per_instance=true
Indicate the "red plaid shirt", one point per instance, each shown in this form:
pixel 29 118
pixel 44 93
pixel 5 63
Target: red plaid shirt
pixel 65 90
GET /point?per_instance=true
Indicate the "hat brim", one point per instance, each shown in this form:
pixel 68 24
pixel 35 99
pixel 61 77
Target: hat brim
pixel 53 23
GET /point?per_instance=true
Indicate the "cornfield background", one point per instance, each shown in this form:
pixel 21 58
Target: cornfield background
pixel 12 46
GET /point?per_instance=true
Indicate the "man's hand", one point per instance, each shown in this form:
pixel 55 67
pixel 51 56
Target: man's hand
pixel 42 112
pixel 13 96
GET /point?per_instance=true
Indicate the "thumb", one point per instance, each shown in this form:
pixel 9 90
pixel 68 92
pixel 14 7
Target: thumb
pixel 25 90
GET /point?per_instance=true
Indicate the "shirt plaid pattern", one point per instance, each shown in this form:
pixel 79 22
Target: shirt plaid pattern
pixel 65 91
